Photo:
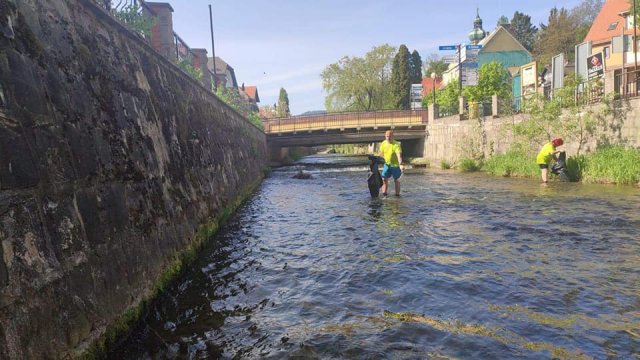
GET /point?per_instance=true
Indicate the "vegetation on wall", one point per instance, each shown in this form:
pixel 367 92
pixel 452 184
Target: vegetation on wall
pixel 133 17
pixel 189 69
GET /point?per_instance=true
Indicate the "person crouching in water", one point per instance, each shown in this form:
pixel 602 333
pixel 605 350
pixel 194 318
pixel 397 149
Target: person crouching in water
pixel 546 154
pixel 391 151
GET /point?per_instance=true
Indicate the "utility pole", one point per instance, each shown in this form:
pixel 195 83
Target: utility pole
pixel 460 69
pixel 635 44
pixel 213 53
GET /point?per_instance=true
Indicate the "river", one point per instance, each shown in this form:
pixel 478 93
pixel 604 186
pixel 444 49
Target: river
pixel 461 266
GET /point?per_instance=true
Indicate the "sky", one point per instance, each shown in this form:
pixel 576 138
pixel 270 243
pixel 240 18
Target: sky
pixel 287 43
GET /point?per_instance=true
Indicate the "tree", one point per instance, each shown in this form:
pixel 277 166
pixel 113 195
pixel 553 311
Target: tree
pixel 523 30
pixel 435 64
pixel 400 81
pixel 359 84
pixel 503 21
pixel 584 14
pixel 283 104
pixel 415 67
pixel 558 36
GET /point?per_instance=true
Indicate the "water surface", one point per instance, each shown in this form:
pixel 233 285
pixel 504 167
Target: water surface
pixel 460 266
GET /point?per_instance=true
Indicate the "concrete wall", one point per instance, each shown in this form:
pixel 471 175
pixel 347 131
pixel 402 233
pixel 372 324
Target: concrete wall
pixel 111 160
pixel 450 138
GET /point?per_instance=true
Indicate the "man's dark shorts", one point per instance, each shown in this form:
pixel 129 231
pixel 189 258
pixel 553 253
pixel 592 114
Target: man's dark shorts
pixel 543 166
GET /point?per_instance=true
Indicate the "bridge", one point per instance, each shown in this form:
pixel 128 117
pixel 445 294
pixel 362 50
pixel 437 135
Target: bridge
pixel 409 126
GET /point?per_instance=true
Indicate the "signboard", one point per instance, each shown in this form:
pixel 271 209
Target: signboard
pixel 557 71
pixel 450 59
pixel 469 75
pixel 448 47
pixel 470 53
pixel 528 78
pixel 582 52
pixel 595 66
pixel 416 96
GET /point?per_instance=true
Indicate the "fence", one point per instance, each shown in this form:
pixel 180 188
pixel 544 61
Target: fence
pixel 626 84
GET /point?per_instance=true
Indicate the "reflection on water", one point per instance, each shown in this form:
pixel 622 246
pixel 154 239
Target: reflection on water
pixel 460 266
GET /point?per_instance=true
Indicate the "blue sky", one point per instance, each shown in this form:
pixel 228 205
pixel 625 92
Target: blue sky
pixel 287 43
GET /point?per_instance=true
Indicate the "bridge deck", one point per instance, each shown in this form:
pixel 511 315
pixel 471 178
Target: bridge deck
pixel 382 119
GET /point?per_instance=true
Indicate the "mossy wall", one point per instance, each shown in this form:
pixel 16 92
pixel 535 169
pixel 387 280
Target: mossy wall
pixel 111 161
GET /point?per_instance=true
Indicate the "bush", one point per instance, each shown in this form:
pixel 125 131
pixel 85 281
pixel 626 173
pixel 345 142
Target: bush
pixel 468 165
pixel 444 165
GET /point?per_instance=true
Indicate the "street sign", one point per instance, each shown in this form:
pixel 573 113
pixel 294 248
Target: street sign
pixel 450 59
pixel 470 65
pixel 448 47
pixel 474 47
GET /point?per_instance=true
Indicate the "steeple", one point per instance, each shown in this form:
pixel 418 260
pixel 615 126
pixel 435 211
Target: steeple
pixel 477 33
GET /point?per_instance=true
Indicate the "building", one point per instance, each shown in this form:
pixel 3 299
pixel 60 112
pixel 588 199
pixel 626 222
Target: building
pixel 499 45
pixel 612 34
pixel 225 75
pixel 250 94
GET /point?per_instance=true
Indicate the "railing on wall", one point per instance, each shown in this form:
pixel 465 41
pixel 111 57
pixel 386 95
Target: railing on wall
pixel 351 120
pixel 627 83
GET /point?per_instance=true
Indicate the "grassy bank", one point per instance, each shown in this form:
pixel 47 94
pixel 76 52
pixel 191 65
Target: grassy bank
pixel 607 165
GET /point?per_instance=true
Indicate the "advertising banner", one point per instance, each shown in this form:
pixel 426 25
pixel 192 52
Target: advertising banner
pixel 595 66
pixel 529 78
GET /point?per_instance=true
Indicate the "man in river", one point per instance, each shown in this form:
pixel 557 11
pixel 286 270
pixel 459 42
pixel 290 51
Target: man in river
pixel 546 154
pixel 391 151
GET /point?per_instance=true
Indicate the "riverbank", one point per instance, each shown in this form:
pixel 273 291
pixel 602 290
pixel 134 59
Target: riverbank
pixel 607 165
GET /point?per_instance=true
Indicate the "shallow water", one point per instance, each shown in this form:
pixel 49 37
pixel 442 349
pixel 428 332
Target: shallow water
pixel 460 266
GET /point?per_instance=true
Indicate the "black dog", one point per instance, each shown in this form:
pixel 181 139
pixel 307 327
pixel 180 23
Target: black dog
pixel 374 180
pixel 560 167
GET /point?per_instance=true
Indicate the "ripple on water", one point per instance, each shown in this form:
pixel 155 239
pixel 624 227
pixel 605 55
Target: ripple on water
pixel 460 266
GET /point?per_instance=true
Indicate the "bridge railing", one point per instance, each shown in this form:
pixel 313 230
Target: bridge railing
pixel 350 120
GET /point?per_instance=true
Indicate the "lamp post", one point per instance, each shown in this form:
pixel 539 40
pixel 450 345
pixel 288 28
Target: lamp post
pixel 213 53
pixel 433 76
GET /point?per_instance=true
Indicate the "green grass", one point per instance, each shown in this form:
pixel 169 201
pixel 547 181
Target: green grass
pixel 444 165
pixel 607 165
pixel 612 165
pixel 469 165
pixel 513 163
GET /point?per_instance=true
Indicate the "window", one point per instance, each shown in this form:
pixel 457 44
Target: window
pixel 605 50
pixel 612 26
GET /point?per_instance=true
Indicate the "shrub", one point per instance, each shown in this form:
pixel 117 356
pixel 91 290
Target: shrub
pixel 444 165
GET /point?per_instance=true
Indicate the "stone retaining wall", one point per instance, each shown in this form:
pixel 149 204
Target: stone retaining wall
pixel 111 160
pixel 447 138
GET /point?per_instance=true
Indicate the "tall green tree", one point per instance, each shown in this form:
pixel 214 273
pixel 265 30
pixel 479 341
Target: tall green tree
pixel 435 64
pixel 557 36
pixel 283 104
pixel 584 14
pixel 523 30
pixel 415 67
pixel 400 80
pixel 493 79
pixel 359 84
